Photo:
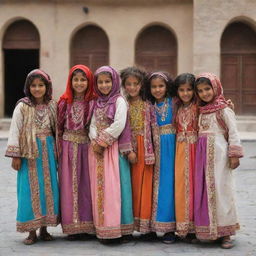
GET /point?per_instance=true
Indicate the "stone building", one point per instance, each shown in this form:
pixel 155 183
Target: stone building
pixel 173 35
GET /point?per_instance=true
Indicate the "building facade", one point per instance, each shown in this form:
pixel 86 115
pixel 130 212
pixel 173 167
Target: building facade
pixel 173 35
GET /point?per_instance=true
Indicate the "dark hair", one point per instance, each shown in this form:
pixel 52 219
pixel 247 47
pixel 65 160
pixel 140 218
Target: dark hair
pixel 169 85
pixel 202 80
pixel 76 71
pixel 184 78
pixel 140 74
pixel 48 85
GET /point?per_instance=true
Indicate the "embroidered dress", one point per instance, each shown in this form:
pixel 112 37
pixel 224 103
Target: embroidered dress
pixel 37 185
pixel 73 126
pixel 76 204
pixel 110 172
pixel 163 210
pixel 142 171
pixel 214 206
pixel 187 128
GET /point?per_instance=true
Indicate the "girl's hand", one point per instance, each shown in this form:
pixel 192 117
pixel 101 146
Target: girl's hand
pixel 231 104
pixel 103 144
pixel 234 162
pixel 97 148
pixel 132 157
pixel 16 163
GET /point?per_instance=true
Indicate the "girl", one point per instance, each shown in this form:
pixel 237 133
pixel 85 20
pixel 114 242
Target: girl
pixel 74 114
pixel 32 147
pixel 159 91
pixel 218 152
pixel 142 158
pixel 109 170
pixel 186 123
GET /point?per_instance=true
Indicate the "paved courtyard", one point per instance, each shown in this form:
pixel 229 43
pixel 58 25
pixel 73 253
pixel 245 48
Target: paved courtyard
pixel 11 241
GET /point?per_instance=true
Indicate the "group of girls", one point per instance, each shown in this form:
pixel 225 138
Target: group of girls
pixel 144 153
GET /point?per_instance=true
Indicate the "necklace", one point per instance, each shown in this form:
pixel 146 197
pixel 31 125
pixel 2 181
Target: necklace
pixel 162 110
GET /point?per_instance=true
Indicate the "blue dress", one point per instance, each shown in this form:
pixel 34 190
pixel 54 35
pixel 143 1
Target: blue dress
pixel 163 212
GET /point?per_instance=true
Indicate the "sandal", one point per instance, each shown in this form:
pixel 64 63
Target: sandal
pixel 227 243
pixel 30 240
pixel 45 236
pixel 169 238
pixel 148 236
pixel 190 238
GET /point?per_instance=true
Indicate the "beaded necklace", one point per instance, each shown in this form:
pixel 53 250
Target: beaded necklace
pixel 162 110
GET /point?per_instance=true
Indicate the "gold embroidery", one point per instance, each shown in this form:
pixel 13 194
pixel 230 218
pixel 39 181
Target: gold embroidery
pixel 167 129
pixel 47 179
pixel 74 183
pixel 79 137
pixel 34 188
pixel 100 191
pixel 137 116
pixel 189 137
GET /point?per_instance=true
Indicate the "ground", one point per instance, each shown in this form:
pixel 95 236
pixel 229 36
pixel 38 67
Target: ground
pixel 11 241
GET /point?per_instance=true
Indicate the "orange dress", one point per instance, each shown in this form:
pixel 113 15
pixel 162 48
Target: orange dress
pixel 142 171
pixel 186 122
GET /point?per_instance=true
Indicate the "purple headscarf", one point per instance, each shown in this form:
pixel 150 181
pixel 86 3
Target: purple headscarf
pixel 115 90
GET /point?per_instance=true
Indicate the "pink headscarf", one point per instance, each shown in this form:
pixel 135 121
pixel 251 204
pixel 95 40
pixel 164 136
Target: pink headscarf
pixel 219 101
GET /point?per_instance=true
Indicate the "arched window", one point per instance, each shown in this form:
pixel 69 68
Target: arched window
pixel 156 49
pixel 21 46
pixel 90 47
pixel 238 66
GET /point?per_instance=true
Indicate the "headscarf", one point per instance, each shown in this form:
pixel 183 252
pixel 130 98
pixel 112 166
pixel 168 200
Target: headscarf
pixel 103 99
pixel 27 138
pixel 48 93
pixel 219 101
pixel 159 73
pixel 89 94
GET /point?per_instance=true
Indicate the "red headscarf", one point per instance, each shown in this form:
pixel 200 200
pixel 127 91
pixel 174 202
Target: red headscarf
pixel 90 93
pixel 219 101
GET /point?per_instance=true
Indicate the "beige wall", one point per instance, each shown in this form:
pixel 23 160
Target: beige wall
pixel 210 20
pixel 57 23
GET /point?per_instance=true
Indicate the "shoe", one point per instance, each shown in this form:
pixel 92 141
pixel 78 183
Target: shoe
pixel 169 238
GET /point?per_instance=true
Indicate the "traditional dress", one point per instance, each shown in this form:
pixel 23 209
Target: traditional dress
pixel 215 211
pixel 163 210
pixel 142 171
pixel 31 138
pixel 73 125
pixel 187 128
pixel 110 172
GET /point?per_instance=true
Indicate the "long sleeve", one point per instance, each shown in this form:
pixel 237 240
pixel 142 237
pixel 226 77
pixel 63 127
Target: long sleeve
pixel 13 147
pixel 93 129
pixel 61 112
pixel 234 148
pixel 110 134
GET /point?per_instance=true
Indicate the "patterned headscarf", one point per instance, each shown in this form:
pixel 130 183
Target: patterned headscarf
pixel 219 101
pixel 90 93
pixel 48 93
pixel 115 90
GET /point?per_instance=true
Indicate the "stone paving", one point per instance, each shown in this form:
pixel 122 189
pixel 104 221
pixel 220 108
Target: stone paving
pixel 11 241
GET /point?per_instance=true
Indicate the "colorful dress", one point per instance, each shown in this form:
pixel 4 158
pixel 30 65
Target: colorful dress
pixel 110 174
pixel 163 210
pixel 215 210
pixel 37 184
pixel 218 140
pixel 76 204
pixel 142 171
pixel 187 128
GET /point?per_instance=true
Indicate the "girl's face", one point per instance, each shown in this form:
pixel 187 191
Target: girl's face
pixel 38 90
pixel 132 86
pixel 158 89
pixel 79 84
pixel 185 93
pixel 205 92
pixel 104 83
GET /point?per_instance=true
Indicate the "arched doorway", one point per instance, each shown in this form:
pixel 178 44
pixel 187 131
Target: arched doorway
pixel 156 49
pixel 90 47
pixel 238 66
pixel 21 46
